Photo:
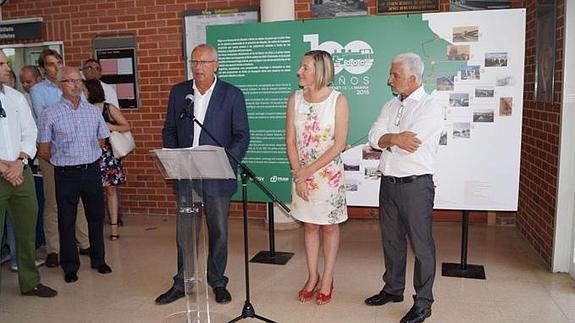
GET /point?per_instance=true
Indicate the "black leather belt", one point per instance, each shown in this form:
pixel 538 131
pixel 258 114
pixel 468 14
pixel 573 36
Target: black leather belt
pixel 403 180
pixel 81 166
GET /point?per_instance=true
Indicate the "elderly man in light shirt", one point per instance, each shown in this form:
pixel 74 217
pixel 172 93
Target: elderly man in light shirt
pixel 17 190
pixel 407 130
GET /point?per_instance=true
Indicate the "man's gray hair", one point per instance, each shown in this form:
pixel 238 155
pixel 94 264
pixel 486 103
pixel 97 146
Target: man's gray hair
pixel 412 64
pixel 64 70
pixel 211 48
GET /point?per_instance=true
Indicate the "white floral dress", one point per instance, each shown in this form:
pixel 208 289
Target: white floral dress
pixel 315 131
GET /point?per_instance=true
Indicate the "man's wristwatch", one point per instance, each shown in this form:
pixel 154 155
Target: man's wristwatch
pixel 24 161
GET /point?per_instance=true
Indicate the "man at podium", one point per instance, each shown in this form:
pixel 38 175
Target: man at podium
pixel 221 108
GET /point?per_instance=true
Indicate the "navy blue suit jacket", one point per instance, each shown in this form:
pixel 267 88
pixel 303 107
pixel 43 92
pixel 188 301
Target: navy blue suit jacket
pixel 226 119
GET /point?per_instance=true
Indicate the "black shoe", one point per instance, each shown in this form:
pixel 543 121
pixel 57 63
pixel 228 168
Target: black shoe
pixel 171 295
pixel 70 277
pixel 41 291
pixel 383 298
pixel 416 315
pixel 222 295
pixel 85 252
pixel 52 260
pixel 103 269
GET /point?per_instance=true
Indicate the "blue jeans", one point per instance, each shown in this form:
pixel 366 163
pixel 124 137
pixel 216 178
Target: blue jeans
pixel 216 212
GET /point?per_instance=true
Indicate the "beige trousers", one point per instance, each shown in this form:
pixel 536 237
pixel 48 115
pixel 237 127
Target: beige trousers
pixel 51 213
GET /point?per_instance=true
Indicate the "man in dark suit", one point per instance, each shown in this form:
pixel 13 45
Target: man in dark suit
pixel 221 108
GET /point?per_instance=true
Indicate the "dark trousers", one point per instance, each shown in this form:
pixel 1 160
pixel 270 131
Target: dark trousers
pixel 406 209
pixel 71 185
pixel 216 212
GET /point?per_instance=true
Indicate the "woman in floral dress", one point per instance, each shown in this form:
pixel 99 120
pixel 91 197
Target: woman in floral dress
pixel 316 131
pixel 113 173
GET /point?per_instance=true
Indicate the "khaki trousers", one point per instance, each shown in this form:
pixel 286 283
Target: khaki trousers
pixel 51 213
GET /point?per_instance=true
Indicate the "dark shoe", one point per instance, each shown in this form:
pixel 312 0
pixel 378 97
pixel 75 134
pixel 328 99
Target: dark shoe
pixel 52 260
pixel 222 295
pixel 103 269
pixel 41 291
pixel 85 252
pixel 416 315
pixel 70 277
pixel 383 298
pixel 114 237
pixel 171 295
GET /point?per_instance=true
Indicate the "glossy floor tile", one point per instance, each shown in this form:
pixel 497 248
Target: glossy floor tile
pixel 518 287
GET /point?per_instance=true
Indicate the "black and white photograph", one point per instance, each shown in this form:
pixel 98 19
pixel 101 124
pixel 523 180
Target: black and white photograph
pixel 443 138
pixel 368 153
pixel 338 8
pixel 495 59
pixel 462 130
pixel 458 99
pixel 458 52
pixel 372 173
pixel 484 92
pixel 351 184
pixel 470 72
pixel 466 5
pixel 483 115
pixel 505 106
pixel 505 80
pixel 445 83
pixel 465 34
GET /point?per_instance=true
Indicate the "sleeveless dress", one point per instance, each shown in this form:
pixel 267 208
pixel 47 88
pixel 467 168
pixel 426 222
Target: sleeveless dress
pixel 315 133
pixel 111 167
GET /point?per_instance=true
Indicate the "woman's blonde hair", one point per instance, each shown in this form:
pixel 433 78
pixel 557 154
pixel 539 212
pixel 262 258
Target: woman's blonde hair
pixel 324 70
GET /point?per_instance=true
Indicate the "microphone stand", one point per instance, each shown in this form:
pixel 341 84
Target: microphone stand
pixel 248 310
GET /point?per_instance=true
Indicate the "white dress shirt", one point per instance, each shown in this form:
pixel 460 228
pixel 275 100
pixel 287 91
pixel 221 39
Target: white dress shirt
pixel 417 113
pixel 201 102
pixel 18 130
pixel 110 94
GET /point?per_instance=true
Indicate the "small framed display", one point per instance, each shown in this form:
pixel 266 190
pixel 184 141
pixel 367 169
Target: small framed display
pixel 545 51
pixel 386 7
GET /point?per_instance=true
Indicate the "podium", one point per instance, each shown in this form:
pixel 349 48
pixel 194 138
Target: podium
pixel 188 167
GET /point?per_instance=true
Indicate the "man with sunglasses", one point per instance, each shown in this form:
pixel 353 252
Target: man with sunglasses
pixel 17 190
pixel 45 94
pixel 72 133
pixel 407 130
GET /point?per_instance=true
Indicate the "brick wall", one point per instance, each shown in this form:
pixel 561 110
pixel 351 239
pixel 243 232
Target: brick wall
pixel 540 144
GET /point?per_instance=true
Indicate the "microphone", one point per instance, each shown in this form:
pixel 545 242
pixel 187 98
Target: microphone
pixel 189 99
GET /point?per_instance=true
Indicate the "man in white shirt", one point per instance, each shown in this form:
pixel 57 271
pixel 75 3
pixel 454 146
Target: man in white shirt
pixel 93 70
pixel 17 191
pixel 407 130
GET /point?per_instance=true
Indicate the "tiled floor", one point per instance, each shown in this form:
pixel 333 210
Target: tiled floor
pixel 518 288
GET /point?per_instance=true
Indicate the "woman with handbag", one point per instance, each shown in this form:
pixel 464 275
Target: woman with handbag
pixel 112 169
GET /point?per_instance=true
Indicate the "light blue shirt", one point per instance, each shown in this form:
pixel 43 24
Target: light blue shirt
pixel 72 133
pixel 44 94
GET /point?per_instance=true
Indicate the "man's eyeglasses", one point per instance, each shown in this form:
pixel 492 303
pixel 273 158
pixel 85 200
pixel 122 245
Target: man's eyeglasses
pixel 399 115
pixel 91 68
pixel 2 111
pixel 72 81
pixel 200 63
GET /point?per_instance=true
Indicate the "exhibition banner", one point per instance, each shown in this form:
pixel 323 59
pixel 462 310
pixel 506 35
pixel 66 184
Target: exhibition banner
pixel 472 68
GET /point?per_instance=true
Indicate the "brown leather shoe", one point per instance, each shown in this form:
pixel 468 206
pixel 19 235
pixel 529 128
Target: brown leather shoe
pixel 41 291
pixel 52 260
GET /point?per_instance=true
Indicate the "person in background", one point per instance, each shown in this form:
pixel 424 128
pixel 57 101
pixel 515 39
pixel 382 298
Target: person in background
pixel 92 70
pixel 316 131
pixel 407 130
pixel 72 133
pixel 111 167
pixel 44 94
pixel 221 107
pixel 17 191
pixel 29 76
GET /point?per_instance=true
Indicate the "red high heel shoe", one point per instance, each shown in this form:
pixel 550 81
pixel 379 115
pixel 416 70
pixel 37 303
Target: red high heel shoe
pixel 322 298
pixel 305 295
